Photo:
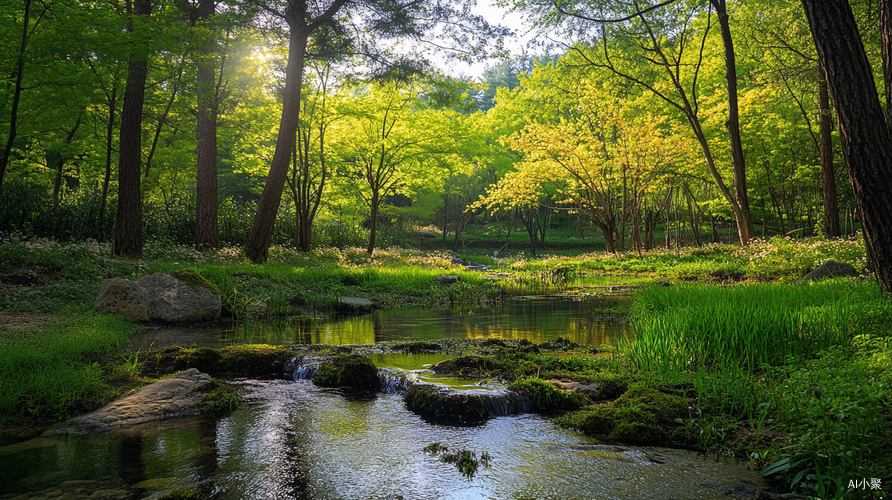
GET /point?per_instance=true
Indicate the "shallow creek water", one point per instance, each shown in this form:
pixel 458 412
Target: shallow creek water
pixel 293 440
pixel 537 318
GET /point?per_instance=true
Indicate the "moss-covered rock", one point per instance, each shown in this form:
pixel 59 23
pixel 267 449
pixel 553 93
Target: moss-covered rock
pixel 664 407
pixel 610 385
pixel 547 396
pixel 639 416
pixel 352 372
pixel 639 432
pixel 429 400
pixel 466 366
pixel 248 360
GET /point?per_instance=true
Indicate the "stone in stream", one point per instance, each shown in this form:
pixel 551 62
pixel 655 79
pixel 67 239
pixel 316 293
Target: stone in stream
pixel 175 301
pixel 124 297
pixel 590 390
pixel 466 406
pixel 173 397
pixel 356 304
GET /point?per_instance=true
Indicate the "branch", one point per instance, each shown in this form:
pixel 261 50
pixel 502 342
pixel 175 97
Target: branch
pixel 619 20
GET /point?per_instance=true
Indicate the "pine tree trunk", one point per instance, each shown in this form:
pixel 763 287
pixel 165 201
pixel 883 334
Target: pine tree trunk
pixel 257 248
pixel 128 223
pixel 866 142
pixel 885 15
pixel 206 232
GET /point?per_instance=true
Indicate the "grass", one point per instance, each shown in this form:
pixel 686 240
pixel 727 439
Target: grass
pixel 796 377
pixel 692 327
pixel 64 367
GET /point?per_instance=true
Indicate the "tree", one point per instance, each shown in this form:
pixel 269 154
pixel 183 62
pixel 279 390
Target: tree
pixel 206 133
pixel 661 37
pixel 309 166
pixel 392 144
pixel 128 223
pixel 329 28
pixel 602 157
pixel 864 128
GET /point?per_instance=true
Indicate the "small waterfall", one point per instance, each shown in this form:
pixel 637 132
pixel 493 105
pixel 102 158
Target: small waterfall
pixel 392 382
pixel 507 403
pixel 496 401
pixel 302 369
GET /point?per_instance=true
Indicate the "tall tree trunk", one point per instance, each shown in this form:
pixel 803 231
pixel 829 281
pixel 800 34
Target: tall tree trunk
pixel 16 96
pixel 828 171
pixel 866 141
pixel 109 138
pixel 60 158
pixel 128 223
pixel 746 231
pixel 885 15
pixel 206 232
pixel 257 248
pixel 373 229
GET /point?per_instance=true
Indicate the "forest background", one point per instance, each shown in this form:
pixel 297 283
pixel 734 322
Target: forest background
pixel 625 130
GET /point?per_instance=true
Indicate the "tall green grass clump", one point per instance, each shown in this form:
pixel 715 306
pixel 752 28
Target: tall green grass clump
pixel 687 328
pixel 42 374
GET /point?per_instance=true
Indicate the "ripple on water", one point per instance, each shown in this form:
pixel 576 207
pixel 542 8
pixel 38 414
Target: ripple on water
pixel 297 441
pixel 293 440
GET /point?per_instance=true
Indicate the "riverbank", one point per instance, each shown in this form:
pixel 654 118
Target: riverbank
pixel 817 417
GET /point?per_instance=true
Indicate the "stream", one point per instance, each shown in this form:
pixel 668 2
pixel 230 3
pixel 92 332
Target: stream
pixel 293 440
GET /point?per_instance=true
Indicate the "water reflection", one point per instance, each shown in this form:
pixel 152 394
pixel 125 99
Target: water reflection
pixel 537 318
pixel 296 441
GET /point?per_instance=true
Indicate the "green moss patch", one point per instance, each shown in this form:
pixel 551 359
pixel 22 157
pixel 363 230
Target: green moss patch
pixel 246 360
pixel 639 416
pixel 431 401
pixel 467 366
pixel 348 371
pixel 547 397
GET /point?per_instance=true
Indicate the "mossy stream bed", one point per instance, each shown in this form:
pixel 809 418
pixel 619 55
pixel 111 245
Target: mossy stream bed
pixel 294 440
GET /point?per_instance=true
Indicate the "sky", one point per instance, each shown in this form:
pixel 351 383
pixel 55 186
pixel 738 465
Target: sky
pixel 494 15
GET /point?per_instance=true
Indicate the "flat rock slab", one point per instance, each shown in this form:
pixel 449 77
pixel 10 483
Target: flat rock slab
pixel 173 397
pixel 356 305
pixel 572 385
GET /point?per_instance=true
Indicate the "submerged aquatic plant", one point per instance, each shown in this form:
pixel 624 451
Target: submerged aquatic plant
pixel 465 461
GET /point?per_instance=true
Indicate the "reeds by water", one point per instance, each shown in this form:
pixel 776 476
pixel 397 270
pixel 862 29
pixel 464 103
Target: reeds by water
pixel 687 328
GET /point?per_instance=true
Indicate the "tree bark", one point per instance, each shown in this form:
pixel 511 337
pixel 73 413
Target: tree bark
pixel 373 222
pixel 885 15
pixel 866 142
pixel 746 231
pixel 109 138
pixel 128 223
pixel 59 158
pixel 828 171
pixel 206 232
pixel 16 96
pixel 257 248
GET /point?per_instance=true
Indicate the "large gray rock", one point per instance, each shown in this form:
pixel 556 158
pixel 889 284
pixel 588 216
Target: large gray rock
pixel 174 397
pixel 124 297
pixel 830 269
pixel 175 301
pixel 446 279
